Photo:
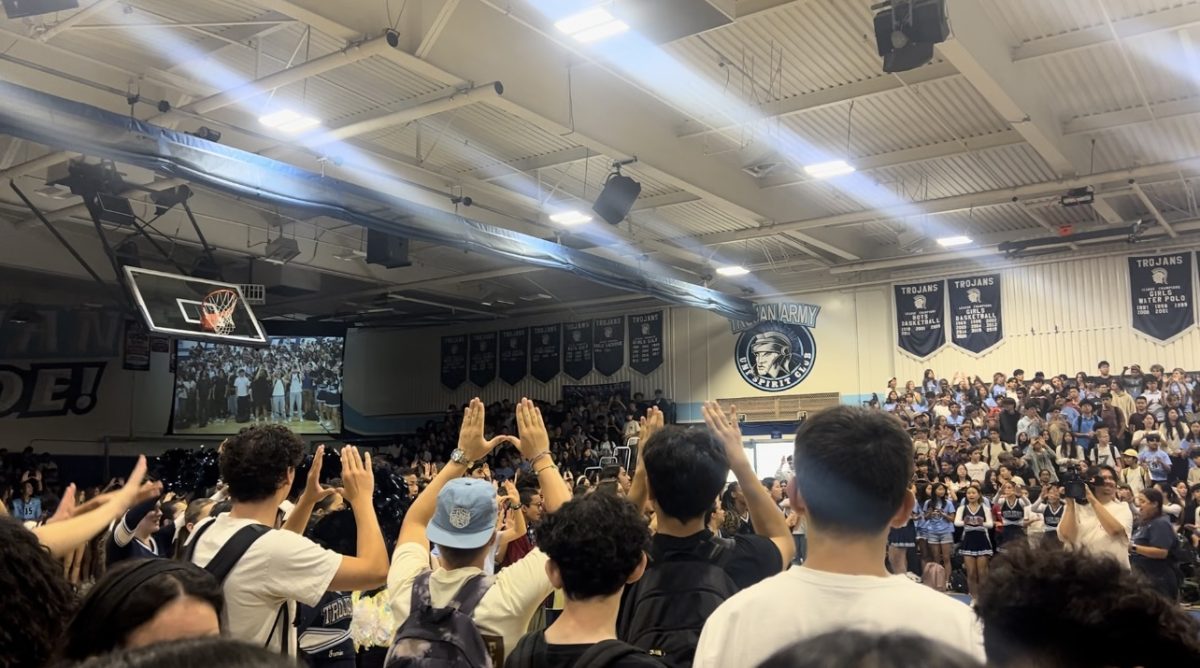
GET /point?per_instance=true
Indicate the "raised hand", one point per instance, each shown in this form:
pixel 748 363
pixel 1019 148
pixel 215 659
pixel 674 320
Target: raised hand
pixel 66 507
pixel 651 423
pixel 470 435
pixel 134 492
pixel 358 477
pixel 534 438
pixel 313 490
pixel 726 429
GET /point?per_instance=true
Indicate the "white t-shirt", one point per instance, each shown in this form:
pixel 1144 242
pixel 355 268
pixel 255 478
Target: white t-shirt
pixel 243 386
pixel 505 609
pixel 735 635
pixel 977 470
pixel 1091 535
pixel 280 566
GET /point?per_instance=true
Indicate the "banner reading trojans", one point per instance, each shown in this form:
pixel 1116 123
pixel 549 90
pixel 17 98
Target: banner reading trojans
pixel 920 317
pixel 545 354
pixel 482 363
pixel 577 353
pixel 514 355
pixel 608 344
pixel 1161 295
pixel 976 324
pixel 454 361
pixel 646 341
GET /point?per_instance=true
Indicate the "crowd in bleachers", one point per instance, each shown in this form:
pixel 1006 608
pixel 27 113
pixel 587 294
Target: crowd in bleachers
pixel 503 536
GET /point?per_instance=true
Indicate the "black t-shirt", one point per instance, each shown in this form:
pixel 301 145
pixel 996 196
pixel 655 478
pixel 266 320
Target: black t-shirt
pixel 565 656
pixel 754 557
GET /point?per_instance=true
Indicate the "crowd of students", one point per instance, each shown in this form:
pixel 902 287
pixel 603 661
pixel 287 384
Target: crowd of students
pixel 519 564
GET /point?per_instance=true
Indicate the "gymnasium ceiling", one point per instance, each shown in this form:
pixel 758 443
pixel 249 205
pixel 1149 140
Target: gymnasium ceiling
pixel 1027 99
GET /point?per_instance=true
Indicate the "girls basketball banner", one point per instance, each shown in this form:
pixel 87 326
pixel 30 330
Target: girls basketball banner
pixel 976 324
pixel 920 317
pixel 608 344
pixel 454 361
pixel 646 341
pixel 545 352
pixel 514 355
pixel 1161 295
pixel 482 364
pixel 577 353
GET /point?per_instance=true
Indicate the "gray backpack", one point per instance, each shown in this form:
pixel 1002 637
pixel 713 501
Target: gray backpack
pixel 441 637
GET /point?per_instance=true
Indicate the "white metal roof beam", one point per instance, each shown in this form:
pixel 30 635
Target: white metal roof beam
pixel 977 51
pixel 913 155
pixel 1146 24
pixel 440 21
pixel 1106 210
pixel 1168 170
pixel 1189 106
pixel 74 19
pixel 1154 210
pixel 532 164
pixel 316 20
pixel 821 99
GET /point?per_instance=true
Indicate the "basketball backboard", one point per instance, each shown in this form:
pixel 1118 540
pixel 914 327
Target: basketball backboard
pixel 187 307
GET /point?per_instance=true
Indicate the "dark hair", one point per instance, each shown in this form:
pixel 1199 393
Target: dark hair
pixel 527 493
pixel 857 648
pixel 852 468
pixel 610 472
pixel 256 461
pixel 38 597
pixel 596 542
pixel 193 653
pixel 685 469
pixel 197 510
pixel 337 531
pixel 1155 497
pixel 129 595
pixel 1047 607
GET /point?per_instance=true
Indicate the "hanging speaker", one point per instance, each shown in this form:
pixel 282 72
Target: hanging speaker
pixel 387 250
pixel 617 198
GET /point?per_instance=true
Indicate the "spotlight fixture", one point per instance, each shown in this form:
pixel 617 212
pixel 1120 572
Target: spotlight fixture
pixel 463 200
pixel 393 38
pixel 571 217
pixel 953 242
pixel 1078 196
pixel 618 196
pixel 829 170
pixel 906 30
pixel 591 25
pixel 289 121
pixel 1137 230
pixel 733 270
pixel 208 134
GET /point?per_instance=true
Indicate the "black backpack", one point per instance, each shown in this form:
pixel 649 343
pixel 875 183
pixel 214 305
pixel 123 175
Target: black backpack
pixel 441 637
pixel 228 556
pixel 664 612
pixel 531 653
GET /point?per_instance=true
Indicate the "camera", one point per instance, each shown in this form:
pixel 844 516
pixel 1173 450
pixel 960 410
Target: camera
pixel 1074 486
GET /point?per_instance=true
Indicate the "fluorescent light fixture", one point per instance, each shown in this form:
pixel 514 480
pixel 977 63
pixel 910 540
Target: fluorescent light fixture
pixel 828 170
pixel 951 242
pixel 287 120
pixel 733 270
pixel 591 25
pixel 535 297
pixel 571 217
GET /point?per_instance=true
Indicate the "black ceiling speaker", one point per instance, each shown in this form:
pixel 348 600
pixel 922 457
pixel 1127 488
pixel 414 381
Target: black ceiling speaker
pixel 387 250
pixel 17 9
pixel 906 30
pixel 617 198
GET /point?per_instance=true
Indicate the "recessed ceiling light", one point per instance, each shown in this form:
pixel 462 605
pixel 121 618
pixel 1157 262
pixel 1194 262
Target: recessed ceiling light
pixel 287 120
pixel 570 218
pixel 828 170
pixel 591 25
pixel 951 242
pixel 733 270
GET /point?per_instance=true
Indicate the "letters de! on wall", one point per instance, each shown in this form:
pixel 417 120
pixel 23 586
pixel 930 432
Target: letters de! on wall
pixel 54 366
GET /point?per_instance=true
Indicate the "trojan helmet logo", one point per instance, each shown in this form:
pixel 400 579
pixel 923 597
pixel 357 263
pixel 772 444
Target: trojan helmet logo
pixel 974 296
pixel 775 356
pixel 1158 275
pixel 919 302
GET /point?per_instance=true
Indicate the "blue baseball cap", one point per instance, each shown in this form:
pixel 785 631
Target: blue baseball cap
pixel 466 514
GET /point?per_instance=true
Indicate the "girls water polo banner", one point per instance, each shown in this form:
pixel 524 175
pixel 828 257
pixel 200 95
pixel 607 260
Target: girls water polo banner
pixel 976 324
pixel 1162 295
pixel 920 317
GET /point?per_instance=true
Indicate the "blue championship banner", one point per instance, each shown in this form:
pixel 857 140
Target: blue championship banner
pixel 976 324
pixel 1161 295
pixel 920 317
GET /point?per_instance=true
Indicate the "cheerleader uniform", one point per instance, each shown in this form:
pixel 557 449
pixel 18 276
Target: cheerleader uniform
pixel 905 536
pixel 1050 520
pixel 1014 521
pixel 975 525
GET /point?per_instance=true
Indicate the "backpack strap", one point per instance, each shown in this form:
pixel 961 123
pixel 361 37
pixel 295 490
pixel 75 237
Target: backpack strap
pixel 470 594
pixel 233 550
pixel 420 592
pixel 720 551
pixel 604 653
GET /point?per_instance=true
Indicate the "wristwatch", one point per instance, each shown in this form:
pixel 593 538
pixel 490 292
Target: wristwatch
pixel 460 457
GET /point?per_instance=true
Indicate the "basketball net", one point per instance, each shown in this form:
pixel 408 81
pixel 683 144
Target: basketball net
pixel 217 316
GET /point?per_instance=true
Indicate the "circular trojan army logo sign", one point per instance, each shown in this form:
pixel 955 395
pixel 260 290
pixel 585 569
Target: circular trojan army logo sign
pixel 775 356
